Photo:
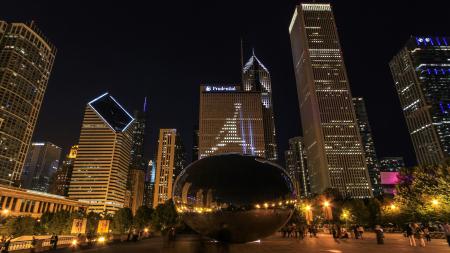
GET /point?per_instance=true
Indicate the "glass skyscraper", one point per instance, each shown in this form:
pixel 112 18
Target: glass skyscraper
pixel 368 144
pixel 421 72
pixel 26 60
pixel 296 166
pixel 256 78
pixel 330 129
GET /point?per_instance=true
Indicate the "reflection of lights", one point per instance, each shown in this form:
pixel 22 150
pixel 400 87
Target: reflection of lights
pixel 435 202
pixel 266 205
pixel 257 206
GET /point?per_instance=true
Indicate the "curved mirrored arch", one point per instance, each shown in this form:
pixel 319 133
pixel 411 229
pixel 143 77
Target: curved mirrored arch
pixel 234 198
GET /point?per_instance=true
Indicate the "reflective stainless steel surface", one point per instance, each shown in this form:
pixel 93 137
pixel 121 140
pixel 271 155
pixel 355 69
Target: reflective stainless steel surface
pixel 234 198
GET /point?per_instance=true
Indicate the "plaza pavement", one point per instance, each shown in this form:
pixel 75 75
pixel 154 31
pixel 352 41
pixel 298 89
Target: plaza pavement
pixel 394 243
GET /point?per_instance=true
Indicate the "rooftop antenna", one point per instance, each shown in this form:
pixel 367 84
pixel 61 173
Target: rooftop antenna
pixel 242 61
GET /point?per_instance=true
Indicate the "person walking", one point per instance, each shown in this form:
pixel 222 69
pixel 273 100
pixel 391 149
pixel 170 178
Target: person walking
pixel 361 231
pixel 446 228
pixel 420 235
pixel 427 233
pixel 55 242
pixel 380 234
pixel 6 244
pixel 33 244
pixel 410 234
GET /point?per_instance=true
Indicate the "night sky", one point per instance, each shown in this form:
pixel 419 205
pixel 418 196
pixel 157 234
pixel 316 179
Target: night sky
pixel 164 51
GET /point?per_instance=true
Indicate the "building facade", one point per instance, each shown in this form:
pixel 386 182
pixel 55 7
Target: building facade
pixel 169 163
pixel 391 164
pixel 330 131
pixel 59 184
pixel 296 166
pixel 41 163
pixel 368 144
pixel 149 185
pixel 421 73
pixel 26 60
pixel 21 202
pixel 230 121
pixel 256 78
pixel 101 167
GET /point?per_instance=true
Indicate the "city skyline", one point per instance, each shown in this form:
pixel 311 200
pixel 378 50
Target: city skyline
pixel 281 87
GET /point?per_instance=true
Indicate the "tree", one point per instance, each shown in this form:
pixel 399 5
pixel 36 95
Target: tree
pixel 122 221
pixel 92 222
pixel 20 225
pixel 165 216
pixel 143 217
pixel 60 222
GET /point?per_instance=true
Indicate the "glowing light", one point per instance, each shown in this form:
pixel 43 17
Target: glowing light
pixel 326 203
pixel 435 202
pixel 266 205
pixel 257 206
pixel 74 242
pixel 5 211
pixel 308 207
pixel 146 230
pixel 101 239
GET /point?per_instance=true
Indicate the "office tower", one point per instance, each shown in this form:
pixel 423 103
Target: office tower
pixel 391 164
pixel 41 163
pixel 368 144
pixel 169 163
pixel 100 170
pixel 136 174
pixel 26 60
pixel 149 185
pixel 296 166
pixel 421 74
pixel 333 144
pixel 195 137
pixel 231 120
pixel 60 181
pixel 389 173
pixel 256 78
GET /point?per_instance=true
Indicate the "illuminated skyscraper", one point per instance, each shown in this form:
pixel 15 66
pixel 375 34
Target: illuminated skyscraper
pixel 231 121
pixel 138 165
pixel 421 73
pixel 256 78
pixel 149 185
pixel 41 163
pixel 296 166
pixel 26 60
pixel 391 164
pixel 330 131
pixel 368 144
pixel 100 171
pixel 169 163
pixel 59 184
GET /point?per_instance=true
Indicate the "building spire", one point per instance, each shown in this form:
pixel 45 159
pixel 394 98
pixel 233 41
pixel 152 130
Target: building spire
pixel 145 104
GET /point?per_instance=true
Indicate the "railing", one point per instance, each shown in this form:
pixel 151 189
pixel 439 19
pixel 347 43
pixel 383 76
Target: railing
pixel 41 243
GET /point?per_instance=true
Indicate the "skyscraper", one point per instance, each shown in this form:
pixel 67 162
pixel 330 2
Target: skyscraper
pixel 100 171
pixel 391 164
pixel 136 175
pixel 26 60
pixel 60 181
pixel 169 163
pixel 230 120
pixel 149 185
pixel 421 74
pixel 330 131
pixel 256 78
pixel 296 166
pixel 41 163
pixel 368 144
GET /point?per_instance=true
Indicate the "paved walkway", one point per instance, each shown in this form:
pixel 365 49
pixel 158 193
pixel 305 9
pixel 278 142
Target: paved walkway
pixel 395 243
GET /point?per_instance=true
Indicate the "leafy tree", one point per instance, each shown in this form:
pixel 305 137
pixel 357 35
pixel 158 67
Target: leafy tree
pixel 60 222
pixel 165 216
pixel 92 222
pixel 143 217
pixel 122 221
pixel 20 225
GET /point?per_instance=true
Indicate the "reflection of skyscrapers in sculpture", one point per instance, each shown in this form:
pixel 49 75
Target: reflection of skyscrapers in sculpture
pixel 389 171
pixel 256 78
pixel 26 60
pixel 100 171
pixel 330 131
pixel 169 163
pixel 41 163
pixel 61 179
pixel 368 144
pixel 296 166
pixel 231 121
pixel 422 79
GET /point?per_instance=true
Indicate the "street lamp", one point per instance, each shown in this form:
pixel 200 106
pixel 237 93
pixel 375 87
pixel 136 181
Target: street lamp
pixel 326 203
pixel 5 212
pixel 308 207
pixel 435 202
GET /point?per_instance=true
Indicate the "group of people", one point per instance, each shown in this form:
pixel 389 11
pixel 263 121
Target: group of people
pixel 5 242
pixel 298 231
